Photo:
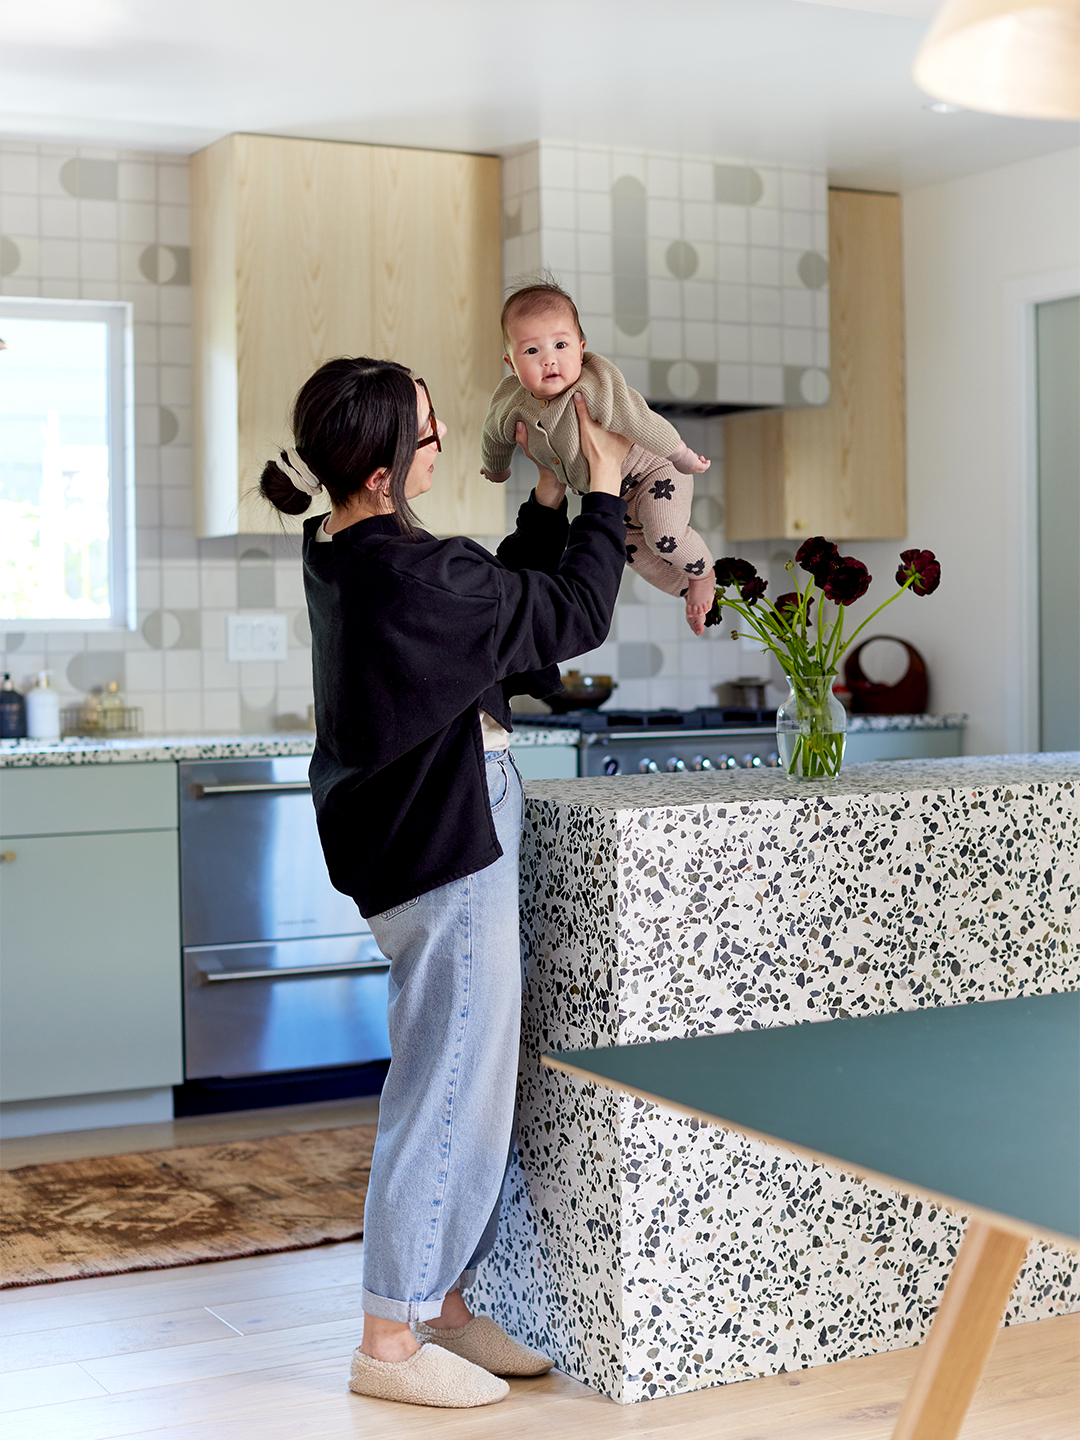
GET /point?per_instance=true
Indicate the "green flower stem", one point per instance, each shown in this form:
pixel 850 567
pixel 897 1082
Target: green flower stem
pixel 818 748
pixel 909 581
pixel 788 639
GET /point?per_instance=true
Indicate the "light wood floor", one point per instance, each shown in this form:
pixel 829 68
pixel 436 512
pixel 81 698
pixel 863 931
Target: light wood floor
pixel 258 1350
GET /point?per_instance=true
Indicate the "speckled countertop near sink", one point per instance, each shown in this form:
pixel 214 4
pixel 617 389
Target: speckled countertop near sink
pixel 142 748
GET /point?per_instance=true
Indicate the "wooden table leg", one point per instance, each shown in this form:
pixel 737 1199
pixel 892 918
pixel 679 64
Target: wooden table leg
pixel 963 1333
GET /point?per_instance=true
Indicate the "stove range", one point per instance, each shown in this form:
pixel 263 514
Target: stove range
pixel 652 742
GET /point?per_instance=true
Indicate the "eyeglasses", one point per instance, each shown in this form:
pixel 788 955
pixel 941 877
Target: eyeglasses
pixel 433 438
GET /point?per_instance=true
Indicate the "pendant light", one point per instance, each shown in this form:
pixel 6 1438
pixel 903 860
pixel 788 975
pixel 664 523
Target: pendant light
pixel 1009 57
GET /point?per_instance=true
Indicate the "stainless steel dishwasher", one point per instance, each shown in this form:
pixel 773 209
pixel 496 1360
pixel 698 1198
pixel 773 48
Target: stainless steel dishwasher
pixel 281 973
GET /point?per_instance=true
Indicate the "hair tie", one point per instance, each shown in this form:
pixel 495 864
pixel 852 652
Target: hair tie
pixel 300 475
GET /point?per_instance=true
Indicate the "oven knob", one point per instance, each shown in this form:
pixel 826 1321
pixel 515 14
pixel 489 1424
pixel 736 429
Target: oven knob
pixel 727 762
pixel 702 762
pixel 675 765
pixel 773 760
pixel 648 767
pixel 751 762
pixel 611 766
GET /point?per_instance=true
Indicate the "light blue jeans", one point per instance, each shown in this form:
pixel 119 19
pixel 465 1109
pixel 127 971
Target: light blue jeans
pixel 446 1114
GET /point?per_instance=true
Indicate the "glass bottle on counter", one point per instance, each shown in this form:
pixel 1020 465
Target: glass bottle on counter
pixel 12 712
pixel 90 720
pixel 112 707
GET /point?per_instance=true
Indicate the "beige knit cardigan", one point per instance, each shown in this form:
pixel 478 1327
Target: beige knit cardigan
pixel 554 439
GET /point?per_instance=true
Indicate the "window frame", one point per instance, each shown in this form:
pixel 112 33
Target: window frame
pixel 118 316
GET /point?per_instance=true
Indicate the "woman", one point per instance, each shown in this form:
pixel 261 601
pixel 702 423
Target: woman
pixel 417 646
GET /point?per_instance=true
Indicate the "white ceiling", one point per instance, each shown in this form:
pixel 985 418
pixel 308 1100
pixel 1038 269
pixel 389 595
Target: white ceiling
pixel 825 81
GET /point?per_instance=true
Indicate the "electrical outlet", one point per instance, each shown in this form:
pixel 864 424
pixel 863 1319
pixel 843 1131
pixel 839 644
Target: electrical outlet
pixel 257 637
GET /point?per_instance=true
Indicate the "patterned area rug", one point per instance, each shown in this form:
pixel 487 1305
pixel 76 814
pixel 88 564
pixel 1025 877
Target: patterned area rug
pixel 151 1211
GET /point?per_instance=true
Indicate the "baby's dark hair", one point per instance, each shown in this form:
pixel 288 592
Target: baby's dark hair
pixel 351 418
pixel 537 298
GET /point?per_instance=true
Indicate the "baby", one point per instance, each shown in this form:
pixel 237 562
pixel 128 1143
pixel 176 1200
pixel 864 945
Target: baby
pixel 545 348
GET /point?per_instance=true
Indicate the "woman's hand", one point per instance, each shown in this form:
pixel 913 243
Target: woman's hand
pixel 550 490
pixel 605 450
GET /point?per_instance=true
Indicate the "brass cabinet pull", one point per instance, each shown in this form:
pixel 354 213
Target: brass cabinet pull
pixel 8 857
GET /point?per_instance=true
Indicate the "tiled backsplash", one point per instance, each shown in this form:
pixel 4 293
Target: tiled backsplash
pixel 90 223
pixel 704 279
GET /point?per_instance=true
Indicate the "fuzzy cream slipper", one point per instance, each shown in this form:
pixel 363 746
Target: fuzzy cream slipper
pixel 487 1345
pixel 430 1377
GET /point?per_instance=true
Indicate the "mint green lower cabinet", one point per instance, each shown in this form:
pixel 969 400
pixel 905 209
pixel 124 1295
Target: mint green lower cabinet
pixel 902 745
pixel 546 762
pixel 90 943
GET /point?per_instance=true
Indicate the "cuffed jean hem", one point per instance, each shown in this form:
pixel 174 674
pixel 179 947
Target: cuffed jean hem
pixel 407 1310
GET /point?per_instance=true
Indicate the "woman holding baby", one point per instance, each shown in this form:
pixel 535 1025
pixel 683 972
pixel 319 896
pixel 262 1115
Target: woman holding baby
pixel 417 646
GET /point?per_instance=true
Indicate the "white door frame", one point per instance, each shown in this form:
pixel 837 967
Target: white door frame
pixel 1021 421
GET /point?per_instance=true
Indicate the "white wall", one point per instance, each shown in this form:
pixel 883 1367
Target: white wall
pixel 964 241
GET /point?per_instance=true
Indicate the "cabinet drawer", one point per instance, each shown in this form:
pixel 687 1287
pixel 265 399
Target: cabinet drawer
pixel 902 745
pixel 90 937
pixel 546 762
pixel 87 799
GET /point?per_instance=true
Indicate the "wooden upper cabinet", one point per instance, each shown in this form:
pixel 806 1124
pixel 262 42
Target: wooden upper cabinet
pixel 304 250
pixel 839 470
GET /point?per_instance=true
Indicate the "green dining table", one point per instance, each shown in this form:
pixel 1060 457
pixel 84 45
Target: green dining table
pixel 975 1107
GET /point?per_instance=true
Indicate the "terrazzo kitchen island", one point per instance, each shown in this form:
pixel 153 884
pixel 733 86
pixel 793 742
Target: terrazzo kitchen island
pixel 652 1254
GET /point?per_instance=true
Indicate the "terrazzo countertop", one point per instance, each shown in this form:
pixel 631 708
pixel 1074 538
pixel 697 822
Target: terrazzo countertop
pixel 141 748
pixel 856 723
pixel 905 722
pixel 667 906
pixel 749 787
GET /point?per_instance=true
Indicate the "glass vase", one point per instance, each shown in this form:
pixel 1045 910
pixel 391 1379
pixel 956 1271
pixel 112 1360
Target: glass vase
pixel 811 728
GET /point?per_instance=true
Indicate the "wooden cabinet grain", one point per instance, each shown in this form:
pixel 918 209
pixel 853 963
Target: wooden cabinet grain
pixel 304 250
pixel 839 470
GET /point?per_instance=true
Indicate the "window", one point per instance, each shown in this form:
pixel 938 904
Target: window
pixel 67 512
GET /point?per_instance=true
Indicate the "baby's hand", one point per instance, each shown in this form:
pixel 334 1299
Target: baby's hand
pixel 687 462
pixel 700 594
pixel 497 477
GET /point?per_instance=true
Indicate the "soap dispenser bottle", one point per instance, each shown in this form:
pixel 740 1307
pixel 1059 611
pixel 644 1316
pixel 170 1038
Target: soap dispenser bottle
pixel 12 712
pixel 43 710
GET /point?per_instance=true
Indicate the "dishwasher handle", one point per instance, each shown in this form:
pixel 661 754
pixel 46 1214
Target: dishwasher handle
pixel 285 972
pixel 254 787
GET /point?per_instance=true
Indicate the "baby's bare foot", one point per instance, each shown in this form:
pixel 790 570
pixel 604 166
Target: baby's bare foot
pixel 699 599
pixel 688 462
pixel 497 477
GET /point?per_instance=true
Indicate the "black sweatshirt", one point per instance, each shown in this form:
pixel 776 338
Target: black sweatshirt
pixel 409 639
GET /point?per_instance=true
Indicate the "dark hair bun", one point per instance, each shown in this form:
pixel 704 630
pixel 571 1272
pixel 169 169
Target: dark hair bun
pixel 276 487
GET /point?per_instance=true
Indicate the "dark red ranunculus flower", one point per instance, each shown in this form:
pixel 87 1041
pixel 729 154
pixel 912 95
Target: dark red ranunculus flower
pixel 731 571
pixel 924 566
pixel 789 603
pixel 753 590
pixel 817 556
pixel 714 615
pixel 848 579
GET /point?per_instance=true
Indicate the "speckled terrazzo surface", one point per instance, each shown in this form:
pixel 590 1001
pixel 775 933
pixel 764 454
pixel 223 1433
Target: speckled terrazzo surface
pixel 724 787
pixel 19 753
pixel 905 722
pixel 652 1254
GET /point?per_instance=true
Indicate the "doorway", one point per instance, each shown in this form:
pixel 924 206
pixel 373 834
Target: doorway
pixel 1057 350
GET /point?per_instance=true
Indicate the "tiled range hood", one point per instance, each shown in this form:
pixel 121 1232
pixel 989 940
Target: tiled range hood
pixel 704 279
